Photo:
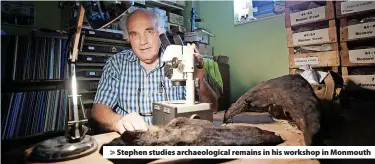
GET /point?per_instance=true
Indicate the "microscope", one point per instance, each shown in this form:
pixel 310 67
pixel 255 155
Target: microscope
pixel 179 67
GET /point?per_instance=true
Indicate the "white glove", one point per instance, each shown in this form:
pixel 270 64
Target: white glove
pixel 131 122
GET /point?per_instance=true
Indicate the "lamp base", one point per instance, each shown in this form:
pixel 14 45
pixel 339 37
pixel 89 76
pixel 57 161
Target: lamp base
pixel 60 149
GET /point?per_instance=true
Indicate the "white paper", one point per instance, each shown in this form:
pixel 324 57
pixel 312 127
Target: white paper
pixel 363 30
pixel 312 76
pixel 362 56
pixel 356 6
pixel 311 37
pixel 306 61
pixel 308 15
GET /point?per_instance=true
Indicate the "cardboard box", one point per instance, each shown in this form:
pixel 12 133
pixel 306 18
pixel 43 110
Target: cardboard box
pixel 176 19
pixel 199 37
pixel 181 3
pixel 177 29
pixel 172 2
pixel 205 49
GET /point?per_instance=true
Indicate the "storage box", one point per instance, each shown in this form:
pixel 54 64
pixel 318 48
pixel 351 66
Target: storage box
pixel 314 37
pixel 176 28
pixel 320 59
pixel 347 8
pixel 176 19
pixel 310 15
pixel 356 31
pixel 170 1
pixel 205 49
pixel 199 37
pixel 357 57
pixel 181 3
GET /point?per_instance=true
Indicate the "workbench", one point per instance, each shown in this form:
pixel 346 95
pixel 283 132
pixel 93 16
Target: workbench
pixel 291 138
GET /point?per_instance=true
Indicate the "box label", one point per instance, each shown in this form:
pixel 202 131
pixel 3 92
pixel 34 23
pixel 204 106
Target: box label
pixel 91 48
pixel 361 30
pixel 89 58
pixel 356 6
pixel 92 32
pixel 362 81
pixel 308 15
pixel 306 61
pixel 92 73
pixel 362 56
pixel 176 19
pixel 311 37
pixel 196 37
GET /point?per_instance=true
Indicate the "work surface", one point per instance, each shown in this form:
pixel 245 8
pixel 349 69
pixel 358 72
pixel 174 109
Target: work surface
pixel 291 139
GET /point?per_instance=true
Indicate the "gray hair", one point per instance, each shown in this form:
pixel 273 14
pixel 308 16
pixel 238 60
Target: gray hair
pixel 159 22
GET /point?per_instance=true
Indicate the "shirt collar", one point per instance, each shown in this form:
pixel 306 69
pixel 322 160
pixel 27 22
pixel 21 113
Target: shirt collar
pixel 131 57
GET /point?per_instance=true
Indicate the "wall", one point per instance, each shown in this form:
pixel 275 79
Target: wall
pixel 48 15
pixel 257 51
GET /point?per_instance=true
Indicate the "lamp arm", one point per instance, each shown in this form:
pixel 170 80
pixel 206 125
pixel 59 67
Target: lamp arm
pixel 75 130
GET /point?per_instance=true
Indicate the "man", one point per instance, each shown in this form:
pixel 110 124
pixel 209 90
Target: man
pixel 133 79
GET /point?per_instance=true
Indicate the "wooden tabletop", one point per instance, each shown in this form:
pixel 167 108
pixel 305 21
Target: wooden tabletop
pixel 292 138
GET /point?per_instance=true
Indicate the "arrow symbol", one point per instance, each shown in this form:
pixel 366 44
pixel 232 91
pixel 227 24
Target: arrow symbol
pixel 111 152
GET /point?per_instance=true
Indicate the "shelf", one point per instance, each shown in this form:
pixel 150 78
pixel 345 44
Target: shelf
pixel 84 91
pixel 95 53
pixel 87 101
pixel 88 78
pixel 91 64
pixel 163 5
pixel 50 35
pixel 34 85
pixel 105 30
pixel 106 40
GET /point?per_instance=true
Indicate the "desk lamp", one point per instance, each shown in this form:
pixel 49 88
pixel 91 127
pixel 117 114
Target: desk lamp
pixel 76 143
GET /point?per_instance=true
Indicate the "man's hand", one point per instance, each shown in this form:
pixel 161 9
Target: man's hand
pixel 131 122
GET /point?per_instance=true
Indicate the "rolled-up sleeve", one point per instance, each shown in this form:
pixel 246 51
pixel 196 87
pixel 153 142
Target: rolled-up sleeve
pixel 107 92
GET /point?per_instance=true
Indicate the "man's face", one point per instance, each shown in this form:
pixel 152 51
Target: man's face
pixel 144 37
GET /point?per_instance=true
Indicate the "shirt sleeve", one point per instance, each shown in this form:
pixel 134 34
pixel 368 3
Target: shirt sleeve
pixel 107 92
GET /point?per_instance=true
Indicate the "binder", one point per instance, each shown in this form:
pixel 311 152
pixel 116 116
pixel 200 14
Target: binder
pixel 89 72
pixel 92 58
pixel 102 49
pixel 102 34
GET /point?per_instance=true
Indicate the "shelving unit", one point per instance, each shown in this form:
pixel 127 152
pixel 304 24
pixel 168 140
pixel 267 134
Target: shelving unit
pixel 357 44
pixel 97 47
pixel 312 37
pixel 34 85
